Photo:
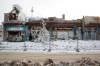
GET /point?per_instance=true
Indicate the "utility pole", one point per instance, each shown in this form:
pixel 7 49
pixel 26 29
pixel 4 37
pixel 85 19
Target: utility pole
pixel 82 28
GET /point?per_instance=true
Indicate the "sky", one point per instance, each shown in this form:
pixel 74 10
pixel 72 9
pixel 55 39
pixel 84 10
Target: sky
pixel 73 9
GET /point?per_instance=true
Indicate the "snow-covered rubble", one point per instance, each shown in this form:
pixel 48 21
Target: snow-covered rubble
pixel 57 46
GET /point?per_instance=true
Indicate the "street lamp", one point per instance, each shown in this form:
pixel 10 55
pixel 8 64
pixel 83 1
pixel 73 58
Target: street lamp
pixel 75 34
pixel 25 47
pixel 77 47
pixel 49 50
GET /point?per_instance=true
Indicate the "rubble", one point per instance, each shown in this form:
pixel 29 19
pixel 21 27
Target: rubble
pixel 85 61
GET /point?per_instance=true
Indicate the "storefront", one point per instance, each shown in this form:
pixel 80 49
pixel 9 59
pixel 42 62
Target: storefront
pixel 15 33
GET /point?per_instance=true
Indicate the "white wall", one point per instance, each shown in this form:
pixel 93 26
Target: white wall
pixel 65 34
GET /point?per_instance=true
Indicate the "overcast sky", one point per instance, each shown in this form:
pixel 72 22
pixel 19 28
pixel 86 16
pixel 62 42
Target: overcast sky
pixel 73 9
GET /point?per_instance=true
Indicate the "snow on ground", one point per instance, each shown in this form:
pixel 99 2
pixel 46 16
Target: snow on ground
pixel 55 46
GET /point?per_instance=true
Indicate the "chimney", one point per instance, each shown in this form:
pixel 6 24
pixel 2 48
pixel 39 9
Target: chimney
pixel 63 16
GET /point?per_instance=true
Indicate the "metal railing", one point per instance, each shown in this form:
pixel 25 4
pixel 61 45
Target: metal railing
pixel 64 45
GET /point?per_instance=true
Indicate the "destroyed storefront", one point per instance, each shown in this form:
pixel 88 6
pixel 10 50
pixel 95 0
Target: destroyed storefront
pixel 14 25
pixel 14 32
pixel 91 27
pixel 37 31
pixel 33 31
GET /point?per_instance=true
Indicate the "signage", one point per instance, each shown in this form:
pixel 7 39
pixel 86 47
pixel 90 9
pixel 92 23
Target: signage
pixel 14 28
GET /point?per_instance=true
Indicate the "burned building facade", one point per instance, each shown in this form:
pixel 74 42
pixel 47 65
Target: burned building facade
pixel 87 28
